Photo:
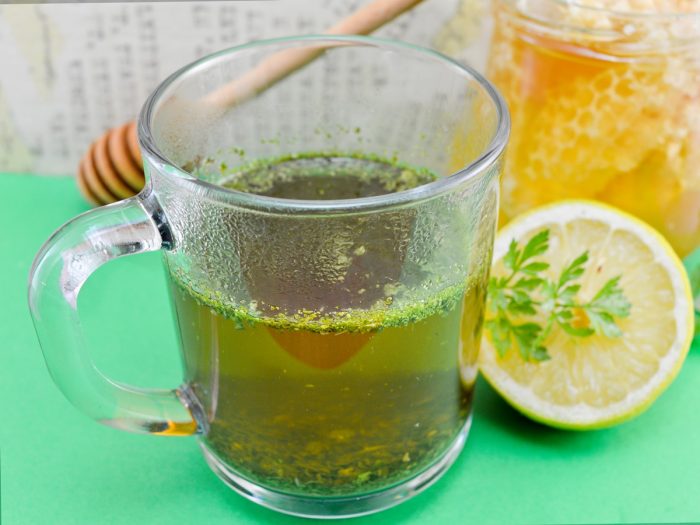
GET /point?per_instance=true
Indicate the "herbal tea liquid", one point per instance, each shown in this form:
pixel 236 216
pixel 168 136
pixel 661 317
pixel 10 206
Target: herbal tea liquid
pixel 331 401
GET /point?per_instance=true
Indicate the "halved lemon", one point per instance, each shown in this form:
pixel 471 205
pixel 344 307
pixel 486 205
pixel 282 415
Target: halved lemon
pixel 597 381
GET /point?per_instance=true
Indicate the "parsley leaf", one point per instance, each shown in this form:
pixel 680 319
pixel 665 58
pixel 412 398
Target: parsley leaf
pixel 534 293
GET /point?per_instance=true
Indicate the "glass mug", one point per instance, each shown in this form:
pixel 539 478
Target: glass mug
pixel 329 339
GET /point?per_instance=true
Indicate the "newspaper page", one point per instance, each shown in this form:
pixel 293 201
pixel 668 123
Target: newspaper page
pixel 72 71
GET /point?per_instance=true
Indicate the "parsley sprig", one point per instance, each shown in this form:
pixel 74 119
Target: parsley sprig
pixel 525 291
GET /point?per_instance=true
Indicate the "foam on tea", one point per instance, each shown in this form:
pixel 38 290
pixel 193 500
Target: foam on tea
pixel 326 177
pixel 331 388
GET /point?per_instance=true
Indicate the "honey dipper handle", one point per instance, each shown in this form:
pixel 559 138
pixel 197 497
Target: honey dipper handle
pixel 279 65
pixel 59 271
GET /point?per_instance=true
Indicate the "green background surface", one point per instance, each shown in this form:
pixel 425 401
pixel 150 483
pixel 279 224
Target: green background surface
pixel 59 467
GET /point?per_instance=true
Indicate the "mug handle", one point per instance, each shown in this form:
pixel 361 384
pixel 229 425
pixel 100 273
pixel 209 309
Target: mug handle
pixel 63 264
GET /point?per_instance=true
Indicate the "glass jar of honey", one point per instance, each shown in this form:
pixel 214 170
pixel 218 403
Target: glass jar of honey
pixel 605 104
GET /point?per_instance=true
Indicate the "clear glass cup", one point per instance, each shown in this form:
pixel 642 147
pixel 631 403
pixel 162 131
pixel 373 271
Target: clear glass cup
pixel 329 346
pixel 605 105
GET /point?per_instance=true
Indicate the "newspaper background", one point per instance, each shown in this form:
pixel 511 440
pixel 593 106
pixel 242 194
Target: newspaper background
pixel 71 71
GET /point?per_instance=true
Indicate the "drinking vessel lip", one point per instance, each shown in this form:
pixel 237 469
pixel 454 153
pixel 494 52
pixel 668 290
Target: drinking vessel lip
pixel 475 170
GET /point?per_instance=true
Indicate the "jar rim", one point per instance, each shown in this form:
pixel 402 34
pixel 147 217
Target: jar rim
pixel 633 15
pixel 610 32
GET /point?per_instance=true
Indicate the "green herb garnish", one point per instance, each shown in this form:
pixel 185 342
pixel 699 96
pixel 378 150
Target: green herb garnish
pixel 526 291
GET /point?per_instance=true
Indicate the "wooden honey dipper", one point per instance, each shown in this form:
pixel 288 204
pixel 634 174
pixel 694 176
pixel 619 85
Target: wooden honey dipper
pixel 112 168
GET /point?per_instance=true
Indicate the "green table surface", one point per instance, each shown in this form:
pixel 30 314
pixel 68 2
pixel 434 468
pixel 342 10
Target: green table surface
pixel 59 467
